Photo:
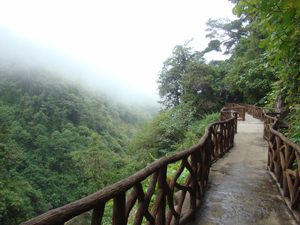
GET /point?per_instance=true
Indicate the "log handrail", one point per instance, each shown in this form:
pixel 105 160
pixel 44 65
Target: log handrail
pixel 283 164
pixel 259 112
pixel 283 158
pixel 217 140
pixel 268 121
pixel 241 110
pixel 227 113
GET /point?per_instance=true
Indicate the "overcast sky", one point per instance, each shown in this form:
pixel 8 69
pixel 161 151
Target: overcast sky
pixel 128 39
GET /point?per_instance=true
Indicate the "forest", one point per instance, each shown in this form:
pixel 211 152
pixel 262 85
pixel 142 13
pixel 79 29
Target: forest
pixel 61 141
pixel 53 130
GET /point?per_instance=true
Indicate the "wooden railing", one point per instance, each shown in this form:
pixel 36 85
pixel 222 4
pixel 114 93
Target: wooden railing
pixel 283 161
pixel 283 158
pixel 227 113
pixel 217 140
pixel 264 114
pixel 256 111
pixel 268 121
pixel 248 108
pixel 238 108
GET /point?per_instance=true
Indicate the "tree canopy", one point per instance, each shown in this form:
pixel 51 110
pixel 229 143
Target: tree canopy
pixel 280 21
pixel 59 141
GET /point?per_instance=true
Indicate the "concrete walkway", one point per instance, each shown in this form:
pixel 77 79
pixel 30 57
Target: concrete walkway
pixel 240 189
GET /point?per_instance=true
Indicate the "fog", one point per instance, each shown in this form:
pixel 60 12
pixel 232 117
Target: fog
pixel 23 52
pixel 115 46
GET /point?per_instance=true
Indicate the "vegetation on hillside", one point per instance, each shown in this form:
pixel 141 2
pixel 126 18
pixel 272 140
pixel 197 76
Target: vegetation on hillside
pixel 59 142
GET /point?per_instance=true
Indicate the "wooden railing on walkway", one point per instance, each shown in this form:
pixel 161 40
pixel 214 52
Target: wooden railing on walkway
pixel 256 111
pixel 227 113
pixel 283 164
pixel 283 159
pixel 217 140
pixel 238 108
pixel 266 115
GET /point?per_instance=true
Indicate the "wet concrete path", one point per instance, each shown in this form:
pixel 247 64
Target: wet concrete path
pixel 240 189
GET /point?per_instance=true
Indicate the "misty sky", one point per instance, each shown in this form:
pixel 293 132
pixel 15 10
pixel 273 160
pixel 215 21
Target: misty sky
pixel 128 39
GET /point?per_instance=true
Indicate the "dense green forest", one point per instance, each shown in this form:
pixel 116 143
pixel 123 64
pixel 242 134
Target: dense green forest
pixel 61 141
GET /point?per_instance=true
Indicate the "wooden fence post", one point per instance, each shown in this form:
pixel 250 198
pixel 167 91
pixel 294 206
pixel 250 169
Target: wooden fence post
pixel 119 209
pixel 98 214
pixel 161 213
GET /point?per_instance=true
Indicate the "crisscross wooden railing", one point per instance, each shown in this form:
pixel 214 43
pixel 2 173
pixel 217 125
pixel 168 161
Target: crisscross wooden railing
pixel 217 140
pixel 241 110
pixel 283 161
pixel 264 114
pixel 227 113
pixel 268 121
pixel 283 158
pixel 256 111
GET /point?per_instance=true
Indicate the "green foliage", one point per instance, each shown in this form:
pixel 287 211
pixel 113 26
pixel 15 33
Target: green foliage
pixel 172 169
pixel 58 142
pixel 197 129
pixel 253 77
pixel 94 162
pixel 226 32
pixel 186 79
pixel 18 199
pixel 281 25
pixel 249 75
pixel 199 89
pixel 172 130
pixel 170 88
pixel 163 134
pixel 203 88
pixel 295 121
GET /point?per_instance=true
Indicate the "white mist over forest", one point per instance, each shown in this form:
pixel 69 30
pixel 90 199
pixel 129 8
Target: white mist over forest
pixel 117 45
pixel 26 53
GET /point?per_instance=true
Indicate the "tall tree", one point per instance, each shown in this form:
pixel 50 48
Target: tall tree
pixel 250 72
pixel 225 32
pixel 202 88
pixel 281 25
pixel 249 75
pixel 169 85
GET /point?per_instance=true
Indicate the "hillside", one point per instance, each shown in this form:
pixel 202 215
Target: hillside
pixel 60 141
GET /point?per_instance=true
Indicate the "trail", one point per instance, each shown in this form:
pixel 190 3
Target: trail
pixel 240 189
